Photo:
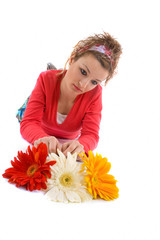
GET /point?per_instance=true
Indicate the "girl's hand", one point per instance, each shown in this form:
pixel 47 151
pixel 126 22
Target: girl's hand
pixel 51 142
pixel 72 147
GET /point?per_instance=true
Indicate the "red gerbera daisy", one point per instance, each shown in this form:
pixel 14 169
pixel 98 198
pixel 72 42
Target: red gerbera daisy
pixel 30 169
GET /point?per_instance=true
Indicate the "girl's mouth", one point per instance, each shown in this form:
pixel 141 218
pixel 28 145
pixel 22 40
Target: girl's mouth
pixel 76 88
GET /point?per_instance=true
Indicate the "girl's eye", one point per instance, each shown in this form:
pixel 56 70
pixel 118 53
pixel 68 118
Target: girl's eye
pixel 83 72
pixel 94 82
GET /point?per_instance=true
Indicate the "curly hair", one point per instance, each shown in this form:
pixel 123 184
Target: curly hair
pixel 110 63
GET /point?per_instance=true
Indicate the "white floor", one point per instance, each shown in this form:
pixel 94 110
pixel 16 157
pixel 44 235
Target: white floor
pixel 35 32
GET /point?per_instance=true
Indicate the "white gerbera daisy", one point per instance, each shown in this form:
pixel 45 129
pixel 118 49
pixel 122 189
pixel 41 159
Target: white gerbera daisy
pixel 66 183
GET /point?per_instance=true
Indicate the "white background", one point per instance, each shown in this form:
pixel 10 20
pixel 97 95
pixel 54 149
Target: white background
pixel 33 33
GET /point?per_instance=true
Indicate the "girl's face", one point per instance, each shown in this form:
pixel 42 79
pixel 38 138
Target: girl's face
pixel 84 74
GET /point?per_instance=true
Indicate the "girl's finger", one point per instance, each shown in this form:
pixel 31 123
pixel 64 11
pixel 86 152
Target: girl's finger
pixel 35 143
pixel 59 146
pixel 65 146
pixel 70 148
pixel 52 146
pixel 78 149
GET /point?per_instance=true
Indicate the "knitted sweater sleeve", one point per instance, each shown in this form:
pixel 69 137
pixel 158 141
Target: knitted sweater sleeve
pixel 91 124
pixel 30 126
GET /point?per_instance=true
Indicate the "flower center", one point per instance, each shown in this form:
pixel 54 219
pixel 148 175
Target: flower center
pixel 32 169
pixel 66 180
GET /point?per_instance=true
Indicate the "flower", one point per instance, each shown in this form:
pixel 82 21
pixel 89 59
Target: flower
pixel 99 182
pixel 30 169
pixel 66 182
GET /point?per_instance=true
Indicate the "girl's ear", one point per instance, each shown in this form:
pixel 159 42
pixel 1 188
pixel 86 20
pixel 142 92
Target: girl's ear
pixel 71 59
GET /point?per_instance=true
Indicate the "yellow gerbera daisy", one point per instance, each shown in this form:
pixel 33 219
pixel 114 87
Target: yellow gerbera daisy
pixel 99 182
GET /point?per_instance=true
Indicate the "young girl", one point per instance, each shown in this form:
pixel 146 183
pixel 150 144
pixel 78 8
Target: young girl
pixel 64 109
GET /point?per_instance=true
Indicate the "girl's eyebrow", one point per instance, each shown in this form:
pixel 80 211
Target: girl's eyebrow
pixel 87 68
pixel 89 72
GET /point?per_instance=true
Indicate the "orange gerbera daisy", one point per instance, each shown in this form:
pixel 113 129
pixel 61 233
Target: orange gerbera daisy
pixel 99 182
pixel 30 169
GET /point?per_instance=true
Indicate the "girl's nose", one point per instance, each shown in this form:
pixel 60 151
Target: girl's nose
pixel 83 83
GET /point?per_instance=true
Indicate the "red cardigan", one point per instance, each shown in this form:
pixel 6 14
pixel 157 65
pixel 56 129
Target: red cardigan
pixel 40 117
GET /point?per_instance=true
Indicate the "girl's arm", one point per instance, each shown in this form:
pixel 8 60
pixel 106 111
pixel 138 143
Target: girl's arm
pixel 30 126
pixel 91 124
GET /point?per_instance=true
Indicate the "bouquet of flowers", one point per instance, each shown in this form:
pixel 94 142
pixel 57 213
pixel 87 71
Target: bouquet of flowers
pixel 62 178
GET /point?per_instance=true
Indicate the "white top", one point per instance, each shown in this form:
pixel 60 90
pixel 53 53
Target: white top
pixel 60 118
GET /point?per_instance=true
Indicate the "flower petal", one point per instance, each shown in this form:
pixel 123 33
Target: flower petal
pixel 73 196
pixel 84 194
pixel 70 163
pixel 61 155
pixel 53 156
pixel 61 197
